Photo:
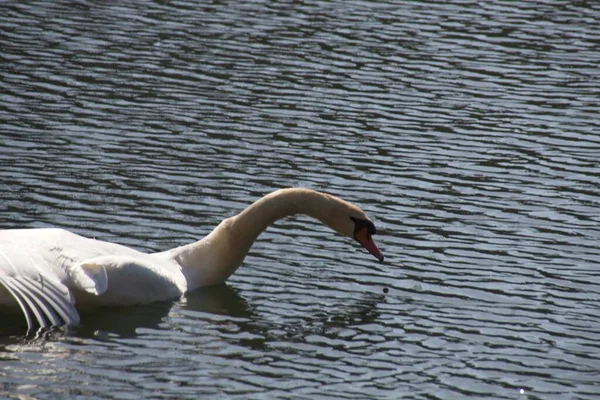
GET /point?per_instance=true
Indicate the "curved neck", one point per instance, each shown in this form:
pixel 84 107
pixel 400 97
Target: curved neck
pixel 213 259
pixel 250 223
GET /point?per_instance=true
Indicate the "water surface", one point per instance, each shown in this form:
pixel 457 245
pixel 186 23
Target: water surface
pixel 468 132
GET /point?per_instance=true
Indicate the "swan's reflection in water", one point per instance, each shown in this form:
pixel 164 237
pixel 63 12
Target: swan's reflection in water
pixel 219 305
pixel 219 300
pixel 228 307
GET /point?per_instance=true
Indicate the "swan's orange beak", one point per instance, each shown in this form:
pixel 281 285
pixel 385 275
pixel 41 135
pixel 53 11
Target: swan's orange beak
pixel 364 238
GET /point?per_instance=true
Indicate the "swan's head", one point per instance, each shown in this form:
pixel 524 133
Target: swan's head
pixel 350 221
pixel 364 229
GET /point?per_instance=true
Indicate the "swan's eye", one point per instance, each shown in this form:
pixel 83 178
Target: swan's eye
pixel 364 229
pixel 360 224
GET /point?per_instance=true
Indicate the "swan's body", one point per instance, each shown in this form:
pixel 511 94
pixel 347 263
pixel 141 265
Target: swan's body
pixel 50 274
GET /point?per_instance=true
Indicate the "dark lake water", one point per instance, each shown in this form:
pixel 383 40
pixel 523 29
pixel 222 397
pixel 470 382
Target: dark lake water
pixel 469 132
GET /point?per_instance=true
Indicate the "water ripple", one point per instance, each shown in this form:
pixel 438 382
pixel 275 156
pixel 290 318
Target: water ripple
pixel 468 131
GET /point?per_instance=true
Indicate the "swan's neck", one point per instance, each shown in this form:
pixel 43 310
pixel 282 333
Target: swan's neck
pixel 213 259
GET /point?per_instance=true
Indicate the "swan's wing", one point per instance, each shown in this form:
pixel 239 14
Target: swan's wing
pixel 34 284
pixel 90 276
pixel 124 279
pixel 42 301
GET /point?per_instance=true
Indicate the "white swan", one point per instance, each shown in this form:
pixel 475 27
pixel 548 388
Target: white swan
pixel 47 273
